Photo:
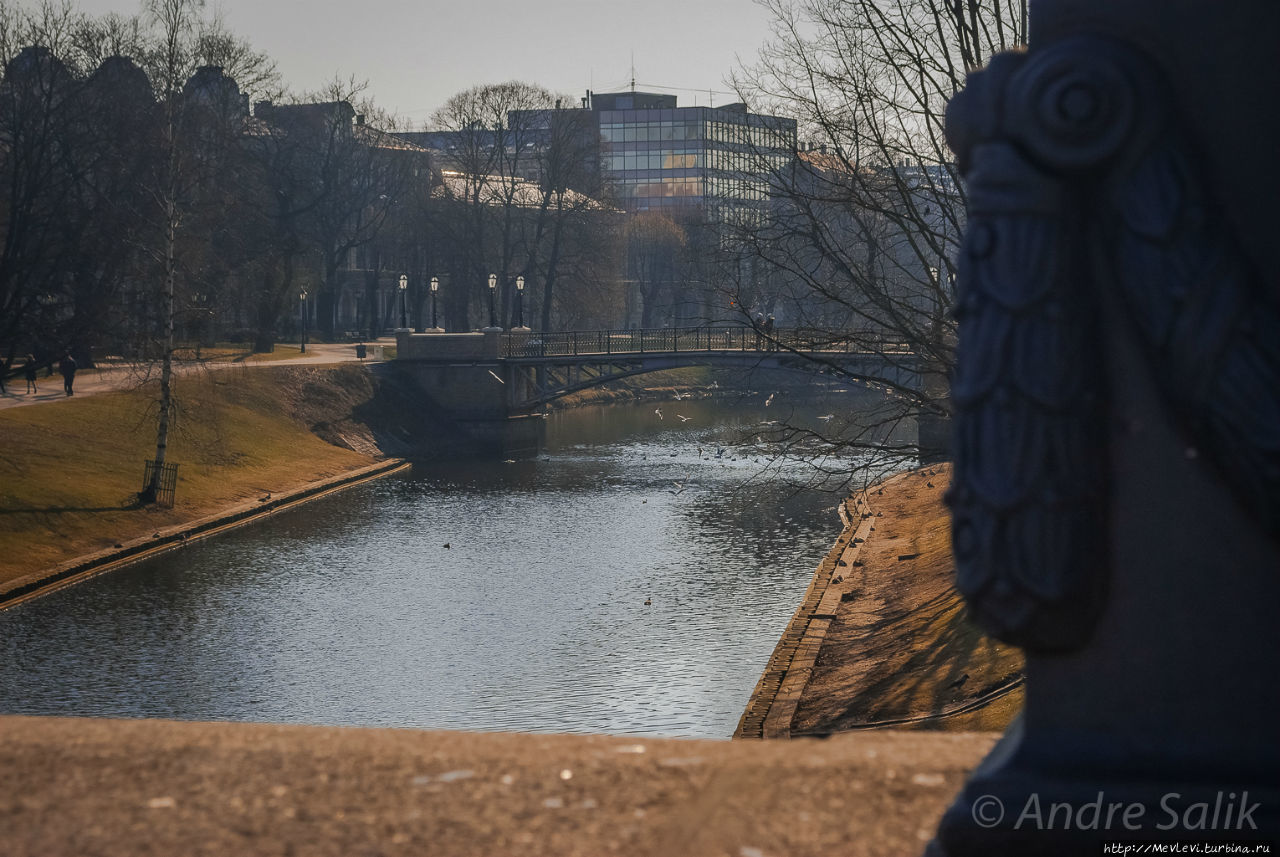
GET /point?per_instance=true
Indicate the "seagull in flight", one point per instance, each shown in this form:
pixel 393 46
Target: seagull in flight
pixel 767 402
pixel 683 418
pixel 658 411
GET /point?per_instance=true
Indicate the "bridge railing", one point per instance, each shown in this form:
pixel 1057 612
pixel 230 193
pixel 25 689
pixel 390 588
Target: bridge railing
pixel 705 338
pixel 644 341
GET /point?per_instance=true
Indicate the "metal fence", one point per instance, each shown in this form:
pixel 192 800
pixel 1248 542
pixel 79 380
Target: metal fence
pixel 677 339
pixel 168 483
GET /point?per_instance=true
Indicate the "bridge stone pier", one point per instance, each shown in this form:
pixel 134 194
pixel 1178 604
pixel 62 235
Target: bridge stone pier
pixel 465 380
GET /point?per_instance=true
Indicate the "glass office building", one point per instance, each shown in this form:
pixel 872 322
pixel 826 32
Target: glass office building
pixel 708 162
pixel 713 159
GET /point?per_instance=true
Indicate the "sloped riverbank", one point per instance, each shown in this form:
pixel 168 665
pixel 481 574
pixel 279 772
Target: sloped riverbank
pixel 243 439
pixel 881 639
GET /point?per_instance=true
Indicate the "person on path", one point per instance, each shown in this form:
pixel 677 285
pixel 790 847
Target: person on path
pixel 768 332
pixel 29 372
pixel 758 324
pixel 67 367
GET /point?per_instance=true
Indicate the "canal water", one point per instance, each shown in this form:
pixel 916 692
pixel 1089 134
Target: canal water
pixel 467 595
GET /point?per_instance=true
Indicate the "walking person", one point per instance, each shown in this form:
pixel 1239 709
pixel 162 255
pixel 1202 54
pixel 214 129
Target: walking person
pixel 768 332
pixel 29 372
pixel 67 366
pixel 758 324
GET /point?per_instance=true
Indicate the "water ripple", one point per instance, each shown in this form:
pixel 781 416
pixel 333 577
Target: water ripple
pixel 351 610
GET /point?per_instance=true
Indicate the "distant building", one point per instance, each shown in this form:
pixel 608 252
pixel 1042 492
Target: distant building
pixel 706 162
pixel 707 168
pixel 709 163
pixel 354 175
pixel 715 160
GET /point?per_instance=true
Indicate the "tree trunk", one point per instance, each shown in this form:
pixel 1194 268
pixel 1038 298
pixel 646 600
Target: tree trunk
pixel 151 491
pixel 548 285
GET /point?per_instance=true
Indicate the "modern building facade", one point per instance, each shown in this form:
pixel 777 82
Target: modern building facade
pixel 713 159
pixel 707 169
pixel 710 163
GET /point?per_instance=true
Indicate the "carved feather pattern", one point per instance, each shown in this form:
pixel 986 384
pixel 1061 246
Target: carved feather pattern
pixel 1080 181
pixel 1199 306
pixel 1026 490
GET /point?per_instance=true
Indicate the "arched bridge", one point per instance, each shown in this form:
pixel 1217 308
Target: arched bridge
pixel 493 383
pixel 526 370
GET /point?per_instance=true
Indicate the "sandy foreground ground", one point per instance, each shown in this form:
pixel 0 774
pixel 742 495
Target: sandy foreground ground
pixel 101 787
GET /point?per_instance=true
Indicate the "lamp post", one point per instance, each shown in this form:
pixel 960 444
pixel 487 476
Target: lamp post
pixel 404 287
pixel 520 302
pixel 493 288
pixel 302 299
pixel 435 287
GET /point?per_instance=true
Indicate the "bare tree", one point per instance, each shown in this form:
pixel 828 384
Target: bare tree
pixel 655 262
pixel 573 201
pixel 38 145
pixel 172 64
pixel 357 178
pixel 253 71
pixel 495 165
pixel 201 115
pixel 859 246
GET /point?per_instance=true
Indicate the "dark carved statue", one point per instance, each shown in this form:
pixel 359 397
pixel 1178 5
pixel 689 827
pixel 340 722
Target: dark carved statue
pixel 1116 492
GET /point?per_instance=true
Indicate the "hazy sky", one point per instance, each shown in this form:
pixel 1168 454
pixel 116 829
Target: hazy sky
pixel 415 55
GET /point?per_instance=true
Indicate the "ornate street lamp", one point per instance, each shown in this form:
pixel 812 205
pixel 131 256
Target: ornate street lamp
pixel 302 299
pixel 519 301
pixel 493 288
pixel 404 287
pixel 435 287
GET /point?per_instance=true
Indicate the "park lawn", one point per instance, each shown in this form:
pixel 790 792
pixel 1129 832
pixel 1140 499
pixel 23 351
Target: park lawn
pixel 69 471
pixel 239 353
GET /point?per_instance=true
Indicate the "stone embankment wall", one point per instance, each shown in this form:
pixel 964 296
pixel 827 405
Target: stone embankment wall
pixel 773 702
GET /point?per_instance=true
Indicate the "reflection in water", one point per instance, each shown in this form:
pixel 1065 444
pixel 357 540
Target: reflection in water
pixel 469 595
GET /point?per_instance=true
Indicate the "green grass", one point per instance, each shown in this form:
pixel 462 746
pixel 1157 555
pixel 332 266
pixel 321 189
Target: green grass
pixel 224 352
pixel 69 471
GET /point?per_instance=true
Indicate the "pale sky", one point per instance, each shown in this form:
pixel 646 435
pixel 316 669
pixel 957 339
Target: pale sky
pixel 415 55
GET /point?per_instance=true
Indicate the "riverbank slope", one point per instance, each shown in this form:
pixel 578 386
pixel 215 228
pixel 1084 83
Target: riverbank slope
pixel 71 472
pixel 901 650
pixel 882 639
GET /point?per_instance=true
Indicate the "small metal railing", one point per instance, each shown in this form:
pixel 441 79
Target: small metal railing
pixel 167 488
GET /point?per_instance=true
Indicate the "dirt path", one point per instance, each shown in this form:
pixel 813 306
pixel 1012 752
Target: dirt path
pixel 110 378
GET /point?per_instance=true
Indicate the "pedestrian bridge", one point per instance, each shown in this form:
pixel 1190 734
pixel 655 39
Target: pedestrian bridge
pixel 527 370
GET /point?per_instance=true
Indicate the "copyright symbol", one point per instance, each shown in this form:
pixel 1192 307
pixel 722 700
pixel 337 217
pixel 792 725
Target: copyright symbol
pixel 988 811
